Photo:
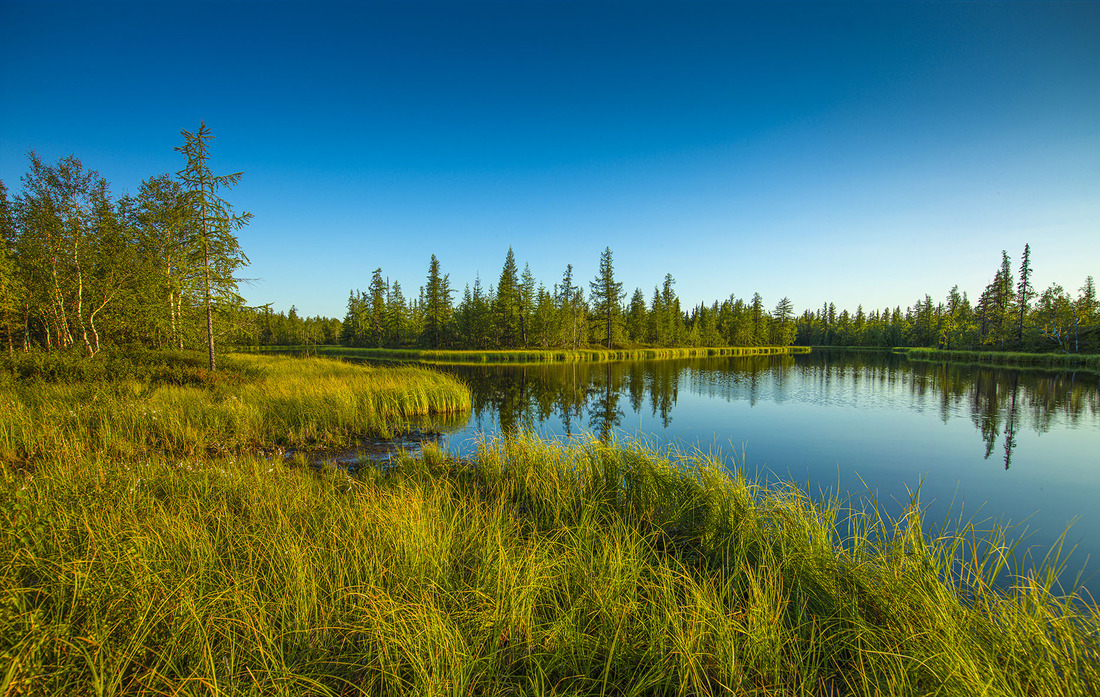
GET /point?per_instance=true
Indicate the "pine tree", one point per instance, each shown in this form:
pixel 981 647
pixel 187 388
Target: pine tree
pixel 572 311
pixel 379 288
pixel 527 292
pixel 782 330
pixel 673 320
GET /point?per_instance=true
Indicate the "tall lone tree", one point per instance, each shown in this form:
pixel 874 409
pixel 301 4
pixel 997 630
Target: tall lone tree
pixel 214 223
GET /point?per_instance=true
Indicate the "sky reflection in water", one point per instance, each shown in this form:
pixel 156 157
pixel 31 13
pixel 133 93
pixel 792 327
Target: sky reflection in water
pixel 991 444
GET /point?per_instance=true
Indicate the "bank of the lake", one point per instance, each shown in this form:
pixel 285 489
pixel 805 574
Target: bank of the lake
pixel 130 406
pixel 528 568
pixel 1010 359
pixel 131 566
pixel 1053 361
pixel 532 355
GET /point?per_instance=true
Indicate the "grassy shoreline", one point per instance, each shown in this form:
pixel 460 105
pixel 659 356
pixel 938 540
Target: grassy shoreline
pixel 1000 359
pixel 531 356
pixel 1053 361
pixel 529 569
pixel 130 565
pixel 255 402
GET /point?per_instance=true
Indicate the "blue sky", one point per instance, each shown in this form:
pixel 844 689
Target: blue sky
pixel 853 153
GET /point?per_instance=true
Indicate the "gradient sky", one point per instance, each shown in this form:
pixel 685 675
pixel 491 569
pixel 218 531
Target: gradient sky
pixel 853 153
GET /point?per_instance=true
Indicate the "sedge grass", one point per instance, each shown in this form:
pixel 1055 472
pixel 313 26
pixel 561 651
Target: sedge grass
pixel 531 568
pixel 279 401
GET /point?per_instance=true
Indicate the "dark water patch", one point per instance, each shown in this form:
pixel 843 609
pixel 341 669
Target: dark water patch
pixel 367 452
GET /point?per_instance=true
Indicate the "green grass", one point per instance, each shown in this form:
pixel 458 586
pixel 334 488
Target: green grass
pixel 53 407
pixel 529 569
pixel 149 547
pixel 1057 361
pixel 527 356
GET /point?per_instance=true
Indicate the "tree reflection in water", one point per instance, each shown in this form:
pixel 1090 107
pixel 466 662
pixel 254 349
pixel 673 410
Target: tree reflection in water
pixel 590 396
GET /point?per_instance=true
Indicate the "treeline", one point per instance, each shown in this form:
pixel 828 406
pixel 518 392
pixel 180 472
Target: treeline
pixel 1009 315
pixel 520 313
pixel 82 269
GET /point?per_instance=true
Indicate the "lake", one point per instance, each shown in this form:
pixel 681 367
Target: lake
pixel 987 444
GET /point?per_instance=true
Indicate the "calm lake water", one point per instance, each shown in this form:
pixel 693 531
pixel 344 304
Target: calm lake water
pixel 1019 447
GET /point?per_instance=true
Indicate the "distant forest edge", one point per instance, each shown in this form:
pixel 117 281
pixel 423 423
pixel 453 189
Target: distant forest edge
pixel 1009 316
pixel 81 270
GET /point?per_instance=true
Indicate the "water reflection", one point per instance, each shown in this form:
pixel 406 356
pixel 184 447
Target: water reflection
pixel 990 444
pixel 593 397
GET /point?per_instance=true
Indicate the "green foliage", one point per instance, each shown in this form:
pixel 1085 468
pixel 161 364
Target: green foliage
pixel 79 268
pixel 520 313
pixel 438 312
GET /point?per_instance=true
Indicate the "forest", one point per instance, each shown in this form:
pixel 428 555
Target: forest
pixel 520 313
pixel 83 269
pixel 1010 315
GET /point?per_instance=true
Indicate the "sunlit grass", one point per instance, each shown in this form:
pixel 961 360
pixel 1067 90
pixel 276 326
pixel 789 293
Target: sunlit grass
pixel 274 401
pixel 531 568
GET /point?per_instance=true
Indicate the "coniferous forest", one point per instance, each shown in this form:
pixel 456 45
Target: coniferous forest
pixel 1011 314
pixel 81 268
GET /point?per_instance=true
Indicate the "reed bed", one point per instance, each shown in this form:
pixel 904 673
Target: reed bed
pixel 259 402
pixel 529 569
pixel 532 356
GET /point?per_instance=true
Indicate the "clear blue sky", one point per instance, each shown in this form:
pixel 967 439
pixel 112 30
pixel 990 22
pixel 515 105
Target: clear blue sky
pixel 854 153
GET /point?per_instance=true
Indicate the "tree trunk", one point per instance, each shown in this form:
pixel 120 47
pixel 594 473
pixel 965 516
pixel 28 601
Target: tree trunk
pixel 209 309
pixel 80 301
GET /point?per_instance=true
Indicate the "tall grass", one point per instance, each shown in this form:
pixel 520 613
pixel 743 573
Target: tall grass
pixel 528 356
pixel 258 402
pixel 528 569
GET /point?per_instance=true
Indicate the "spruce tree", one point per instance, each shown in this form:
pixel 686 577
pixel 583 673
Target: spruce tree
pixel 1024 293
pixel 436 305
pixel 607 296
pixel 506 309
